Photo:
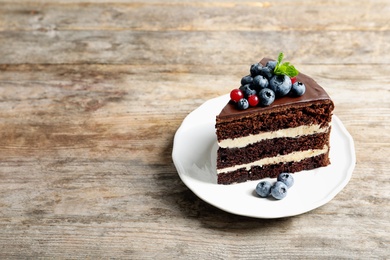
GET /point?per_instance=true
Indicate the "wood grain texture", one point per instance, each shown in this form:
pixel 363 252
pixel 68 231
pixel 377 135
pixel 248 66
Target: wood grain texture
pixel 92 92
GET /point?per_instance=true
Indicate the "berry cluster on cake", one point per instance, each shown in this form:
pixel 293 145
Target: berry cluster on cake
pixel 279 120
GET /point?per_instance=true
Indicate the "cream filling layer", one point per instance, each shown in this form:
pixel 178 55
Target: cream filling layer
pixel 291 157
pixel 288 132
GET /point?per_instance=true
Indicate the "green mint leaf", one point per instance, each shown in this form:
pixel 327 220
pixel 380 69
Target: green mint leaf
pixel 291 71
pixel 280 58
pixel 281 69
pixel 285 68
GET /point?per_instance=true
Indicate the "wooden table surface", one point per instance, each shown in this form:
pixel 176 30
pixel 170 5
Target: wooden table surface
pixel 92 93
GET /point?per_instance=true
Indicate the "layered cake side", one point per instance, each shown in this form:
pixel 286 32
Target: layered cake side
pixel 290 135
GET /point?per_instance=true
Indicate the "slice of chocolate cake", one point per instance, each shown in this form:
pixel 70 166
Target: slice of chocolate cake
pixel 289 135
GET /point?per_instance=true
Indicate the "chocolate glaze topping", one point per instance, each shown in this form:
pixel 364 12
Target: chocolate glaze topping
pixel 313 93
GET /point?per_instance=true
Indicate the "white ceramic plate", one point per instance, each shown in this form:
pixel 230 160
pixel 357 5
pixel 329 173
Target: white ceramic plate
pixel 194 155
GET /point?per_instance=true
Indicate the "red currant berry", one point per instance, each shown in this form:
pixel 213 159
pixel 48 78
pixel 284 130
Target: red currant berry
pixel 253 100
pixel 293 80
pixel 236 95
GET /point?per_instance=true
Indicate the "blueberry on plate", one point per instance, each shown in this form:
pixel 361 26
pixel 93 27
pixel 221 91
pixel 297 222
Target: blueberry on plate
pixel 286 178
pixel 298 89
pixel 279 190
pixel 280 84
pixel 263 189
pixel 266 96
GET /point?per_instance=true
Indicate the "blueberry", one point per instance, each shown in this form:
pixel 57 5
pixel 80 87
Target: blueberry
pixel 255 69
pixel 247 90
pixel 260 82
pixel 279 190
pixel 271 64
pixel 298 89
pixel 243 104
pixel 280 84
pixel 246 80
pixel 266 72
pixel 263 189
pixel 266 96
pixel 286 178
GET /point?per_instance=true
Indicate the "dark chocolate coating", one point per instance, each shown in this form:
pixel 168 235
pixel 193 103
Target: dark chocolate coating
pixel 313 93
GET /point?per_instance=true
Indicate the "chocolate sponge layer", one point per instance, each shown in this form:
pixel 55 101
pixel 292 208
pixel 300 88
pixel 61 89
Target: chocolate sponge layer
pixel 305 114
pixel 228 157
pixel 272 171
